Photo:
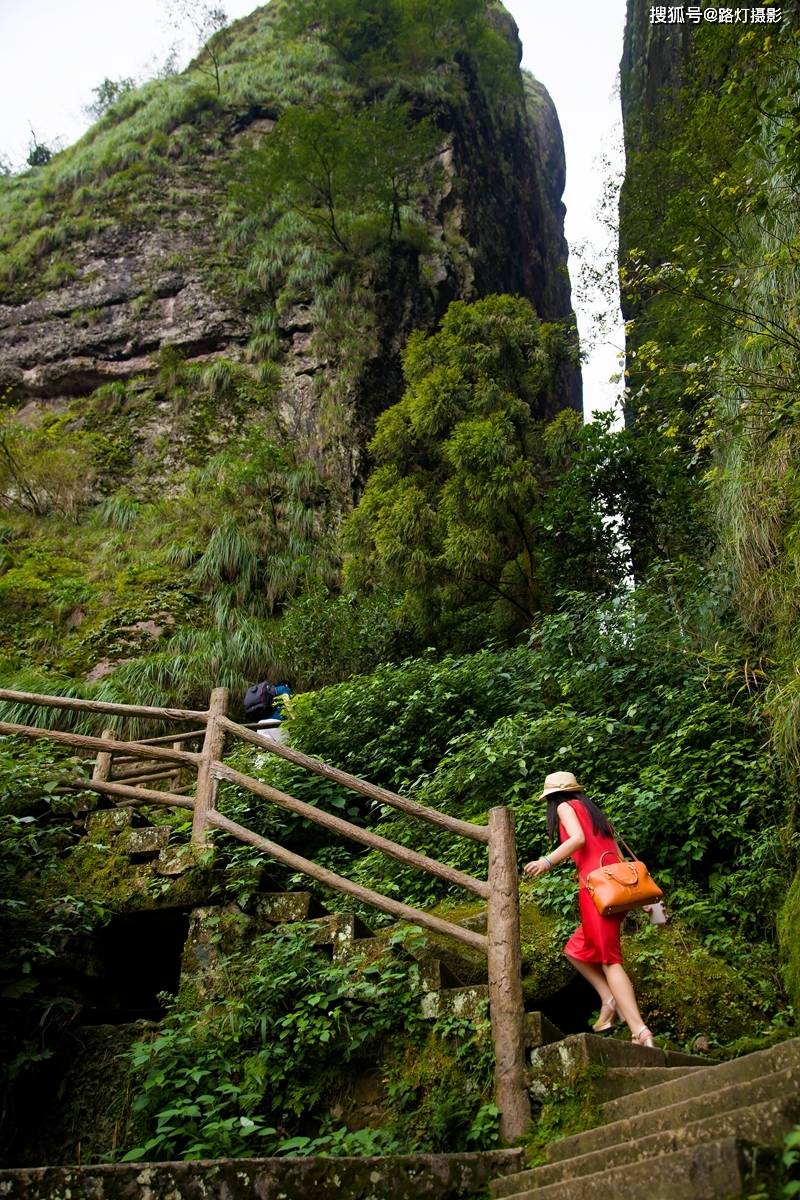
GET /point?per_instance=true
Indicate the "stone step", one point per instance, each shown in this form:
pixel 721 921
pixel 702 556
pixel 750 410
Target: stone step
pixel 434 976
pixel 469 1003
pixel 771 1086
pixel 145 843
pixel 763 1124
pixel 342 932
pixel 402 1177
pixel 431 974
pixel 276 907
pixel 588 1049
pixel 624 1081
pixel 540 1030
pixel 175 860
pixel 713 1170
pixel 106 822
pixel 737 1070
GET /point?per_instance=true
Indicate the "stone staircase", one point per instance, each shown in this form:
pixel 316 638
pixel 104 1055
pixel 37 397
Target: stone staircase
pixel 671 1126
pixel 668 1129
pixel 442 992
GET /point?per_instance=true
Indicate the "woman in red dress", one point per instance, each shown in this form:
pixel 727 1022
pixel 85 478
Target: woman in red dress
pixel 594 948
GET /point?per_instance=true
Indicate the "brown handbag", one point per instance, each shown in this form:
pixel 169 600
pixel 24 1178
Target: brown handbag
pixel 621 886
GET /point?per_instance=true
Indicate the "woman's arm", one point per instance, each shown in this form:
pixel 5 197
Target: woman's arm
pixel 574 840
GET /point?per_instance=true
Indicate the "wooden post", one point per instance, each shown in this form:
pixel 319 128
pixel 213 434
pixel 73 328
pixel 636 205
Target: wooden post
pixel 102 764
pixel 213 745
pixel 505 977
pixel 176 775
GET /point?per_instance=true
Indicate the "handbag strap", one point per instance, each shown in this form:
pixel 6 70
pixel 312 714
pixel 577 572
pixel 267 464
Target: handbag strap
pixel 625 844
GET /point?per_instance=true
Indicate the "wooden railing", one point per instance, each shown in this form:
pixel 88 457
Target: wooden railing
pixel 121 768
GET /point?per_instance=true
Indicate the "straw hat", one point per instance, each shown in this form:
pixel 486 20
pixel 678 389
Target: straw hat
pixel 560 781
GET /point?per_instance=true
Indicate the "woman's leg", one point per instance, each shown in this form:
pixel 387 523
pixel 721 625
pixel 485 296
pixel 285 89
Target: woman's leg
pixel 622 989
pixel 595 976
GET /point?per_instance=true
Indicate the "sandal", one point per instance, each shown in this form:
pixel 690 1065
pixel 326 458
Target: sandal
pixel 644 1038
pixel 607 1018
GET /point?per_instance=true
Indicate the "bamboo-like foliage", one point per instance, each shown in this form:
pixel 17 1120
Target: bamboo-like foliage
pixel 709 211
pixel 756 479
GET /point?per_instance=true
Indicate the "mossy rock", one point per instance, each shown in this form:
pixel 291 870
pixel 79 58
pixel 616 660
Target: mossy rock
pixel 788 926
pixel 544 969
pixel 466 964
pixel 685 990
pixel 214 934
pixel 102 870
pixel 84 1099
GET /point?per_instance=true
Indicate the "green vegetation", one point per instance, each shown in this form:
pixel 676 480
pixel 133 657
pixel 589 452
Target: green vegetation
pixel 710 222
pixel 37 924
pixel 353 178
pixel 787 928
pixel 45 469
pixel 450 512
pixel 269 1078
pixel 107 93
pixel 385 39
pixel 508 592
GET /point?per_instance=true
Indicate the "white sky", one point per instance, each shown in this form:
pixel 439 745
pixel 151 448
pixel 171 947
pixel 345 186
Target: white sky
pixel 53 52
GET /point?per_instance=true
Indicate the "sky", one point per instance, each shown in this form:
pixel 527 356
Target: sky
pixel 53 52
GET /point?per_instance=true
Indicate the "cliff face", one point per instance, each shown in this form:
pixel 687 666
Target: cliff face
pixel 128 261
pixel 653 58
pixel 709 226
pixel 204 307
pixel 650 68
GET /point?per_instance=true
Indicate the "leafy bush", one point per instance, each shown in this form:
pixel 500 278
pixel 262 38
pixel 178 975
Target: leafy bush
pixel 325 637
pixel 45 469
pixel 395 723
pixel 250 1070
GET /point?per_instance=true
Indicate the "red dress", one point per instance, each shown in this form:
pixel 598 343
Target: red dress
pixel 596 940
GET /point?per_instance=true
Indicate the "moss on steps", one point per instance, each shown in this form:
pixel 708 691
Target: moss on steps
pixel 407 1177
pixel 788 931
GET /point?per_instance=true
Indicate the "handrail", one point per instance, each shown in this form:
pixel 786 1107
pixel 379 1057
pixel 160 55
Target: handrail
pixel 477 833
pixel 190 735
pixel 395 908
pixel 501 943
pixel 412 858
pixel 103 745
pixel 133 795
pixel 403 912
pixel 103 706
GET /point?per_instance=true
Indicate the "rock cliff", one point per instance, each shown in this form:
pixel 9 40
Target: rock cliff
pixel 116 249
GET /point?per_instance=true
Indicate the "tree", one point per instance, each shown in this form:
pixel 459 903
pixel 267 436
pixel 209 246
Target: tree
pixel 44 469
pixel 339 170
pixel 209 25
pixel 107 93
pixel 450 511
pixel 39 154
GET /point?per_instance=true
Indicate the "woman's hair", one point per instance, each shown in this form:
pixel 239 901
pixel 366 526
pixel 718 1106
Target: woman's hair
pixel 600 822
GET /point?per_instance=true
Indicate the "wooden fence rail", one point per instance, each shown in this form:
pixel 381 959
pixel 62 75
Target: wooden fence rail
pixel 162 759
pixel 478 833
